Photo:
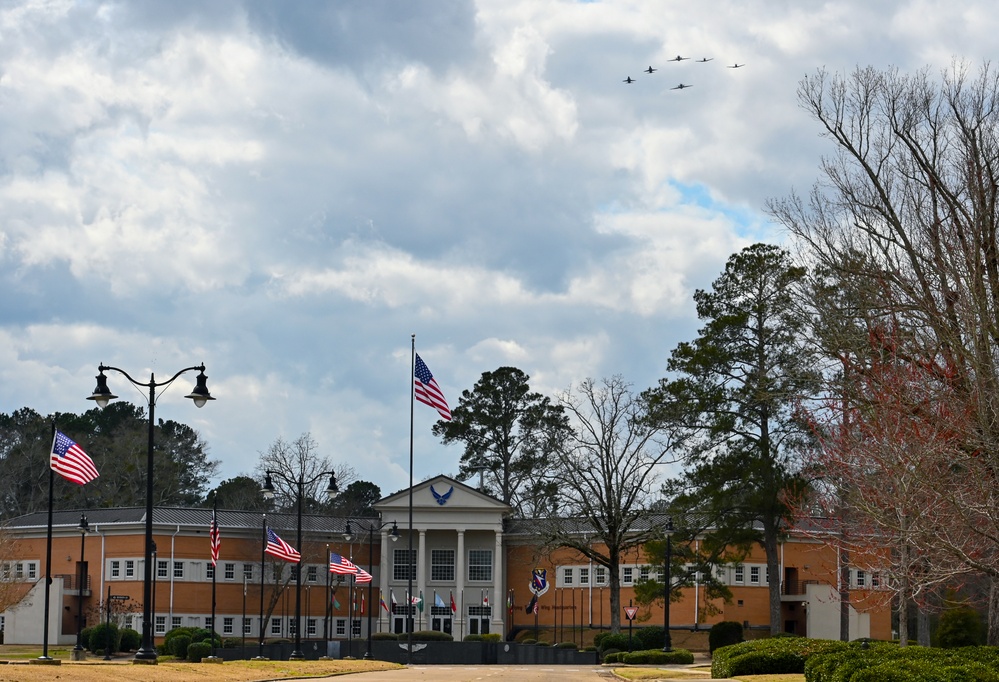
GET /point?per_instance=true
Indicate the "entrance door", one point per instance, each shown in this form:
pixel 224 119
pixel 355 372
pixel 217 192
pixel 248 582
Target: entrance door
pixel 440 619
pixel 478 619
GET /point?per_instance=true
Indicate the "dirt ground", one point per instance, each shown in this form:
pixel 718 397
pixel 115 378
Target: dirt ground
pixel 230 671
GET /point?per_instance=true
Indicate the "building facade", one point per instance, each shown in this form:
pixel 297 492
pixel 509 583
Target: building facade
pixel 466 568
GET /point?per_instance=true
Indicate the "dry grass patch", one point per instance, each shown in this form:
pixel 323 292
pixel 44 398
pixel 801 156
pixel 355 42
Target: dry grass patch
pixel 790 677
pixel 660 674
pixel 230 671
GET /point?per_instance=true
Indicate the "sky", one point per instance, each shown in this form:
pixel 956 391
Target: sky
pixel 287 192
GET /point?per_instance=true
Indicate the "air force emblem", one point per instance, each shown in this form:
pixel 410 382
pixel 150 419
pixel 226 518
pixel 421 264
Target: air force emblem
pixel 441 499
pixel 539 581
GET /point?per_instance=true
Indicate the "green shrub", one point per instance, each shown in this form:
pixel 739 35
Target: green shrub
pixel 566 645
pixel 129 640
pixel 785 652
pixel 588 648
pixel 99 637
pixel 472 638
pixel 178 646
pixel 198 650
pixel 542 642
pixel 492 637
pixel 657 657
pixel 725 633
pixel 650 637
pixel 889 662
pixel 431 636
pixel 529 641
pixel 85 637
pixel 767 663
pixel 612 656
pixel 599 637
pixel 959 627
pixel 619 641
pixel 384 636
pixel 232 642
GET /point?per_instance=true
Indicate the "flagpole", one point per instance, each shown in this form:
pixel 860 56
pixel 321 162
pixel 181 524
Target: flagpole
pixel 409 557
pixel 329 606
pixel 215 509
pixel 263 546
pixel 48 561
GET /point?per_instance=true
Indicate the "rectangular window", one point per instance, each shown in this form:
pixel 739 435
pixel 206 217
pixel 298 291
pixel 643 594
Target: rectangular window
pixel 129 622
pixel 178 569
pixel 357 627
pixel 115 569
pixel 292 626
pixel 875 579
pixel 584 576
pixel 209 571
pixel 601 575
pixel 442 565
pixel 341 627
pixel 567 576
pixel 209 622
pixel 861 579
pixel 247 626
pixel 129 568
pixel 161 569
pixel 32 570
pixel 230 572
pixel 402 569
pixel 275 626
pixel 312 574
pixel 227 624
pixel 643 573
pixel 176 622
pixel 160 625
pixel 740 574
pixel 310 628
pixel 754 575
pixel 480 565
pixel 294 571
pixel 278 570
pixel 627 575
pixel 248 572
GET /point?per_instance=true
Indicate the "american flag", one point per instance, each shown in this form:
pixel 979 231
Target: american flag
pixel 341 565
pixel 427 390
pixel 362 576
pixel 70 461
pixel 281 549
pixel 216 538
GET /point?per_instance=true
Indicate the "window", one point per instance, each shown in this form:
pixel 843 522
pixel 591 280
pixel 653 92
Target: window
pixel 584 576
pixel 247 625
pixel 209 623
pixel 115 569
pixel 278 570
pixel 209 571
pixel 740 574
pixel 643 573
pixel 627 575
pixel 442 565
pixel 6 571
pixel 129 568
pixel 129 622
pixel 480 564
pixel 227 624
pixel 247 571
pixel 754 575
pixel 567 576
pixel 312 574
pixel 310 627
pixel 356 630
pixel 230 571
pixel 875 579
pixel 861 579
pixel 292 626
pixel 32 570
pixel 294 571
pixel 402 569
pixel 178 569
pixel 161 569
pixel 601 575
pixel 275 626
pixel 160 625
pixel 341 627
pixel 176 622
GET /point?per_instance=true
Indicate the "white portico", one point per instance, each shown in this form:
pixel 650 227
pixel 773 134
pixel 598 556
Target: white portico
pixel 457 560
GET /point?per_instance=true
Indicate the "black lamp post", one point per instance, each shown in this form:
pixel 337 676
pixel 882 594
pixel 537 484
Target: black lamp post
pixel 156 569
pixel 348 536
pixel 667 585
pixel 300 484
pixel 84 528
pixel 102 395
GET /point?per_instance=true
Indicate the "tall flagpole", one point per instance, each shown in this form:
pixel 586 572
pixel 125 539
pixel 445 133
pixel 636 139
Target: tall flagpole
pixel 48 559
pixel 409 558
pixel 263 548
pixel 215 568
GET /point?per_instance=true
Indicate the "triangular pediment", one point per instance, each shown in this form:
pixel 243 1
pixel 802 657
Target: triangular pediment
pixel 442 493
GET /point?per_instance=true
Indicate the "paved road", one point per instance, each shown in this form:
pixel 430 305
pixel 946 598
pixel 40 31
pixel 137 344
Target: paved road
pixel 473 673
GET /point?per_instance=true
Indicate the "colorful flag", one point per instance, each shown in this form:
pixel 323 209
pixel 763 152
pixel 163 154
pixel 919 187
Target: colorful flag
pixel 438 601
pixel 392 597
pixel 71 462
pixel 362 576
pixel 533 605
pixel 485 600
pixel 216 540
pixel 384 605
pixel 362 603
pixel 341 565
pixel 336 604
pixel 419 602
pixel 454 607
pixel 509 601
pixel 427 390
pixel 281 549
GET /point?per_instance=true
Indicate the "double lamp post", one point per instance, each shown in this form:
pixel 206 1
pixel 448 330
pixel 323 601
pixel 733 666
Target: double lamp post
pixel 348 535
pixel 102 396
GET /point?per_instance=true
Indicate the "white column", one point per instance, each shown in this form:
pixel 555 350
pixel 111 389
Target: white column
pixel 498 598
pixel 383 582
pixel 421 578
pixel 458 627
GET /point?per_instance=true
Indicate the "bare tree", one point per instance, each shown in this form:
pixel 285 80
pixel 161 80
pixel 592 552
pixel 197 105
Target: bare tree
pixel 300 460
pixel 11 589
pixel 613 459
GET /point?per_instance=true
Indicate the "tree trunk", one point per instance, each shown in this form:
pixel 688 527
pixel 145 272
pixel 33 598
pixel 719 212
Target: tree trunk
pixel 922 626
pixel 903 615
pixel 844 595
pixel 993 615
pixel 770 546
pixel 615 595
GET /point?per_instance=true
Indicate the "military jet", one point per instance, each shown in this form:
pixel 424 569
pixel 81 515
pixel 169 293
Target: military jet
pixel 681 86
pixel 702 60
pixel 629 79
pixel 650 70
pixel 736 66
pixel 678 58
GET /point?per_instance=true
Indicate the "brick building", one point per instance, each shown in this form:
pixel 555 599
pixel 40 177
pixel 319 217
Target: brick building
pixel 471 564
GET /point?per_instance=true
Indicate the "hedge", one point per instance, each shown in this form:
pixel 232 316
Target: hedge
pixel 384 636
pixel 198 650
pixel 179 645
pixel 99 638
pixel 492 637
pixel 782 654
pixel 650 637
pixel 725 633
pixel 619 641
pixel 130 640
pixel 431 636
pixel 566 645
pixel 887 661
pixel 657 656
